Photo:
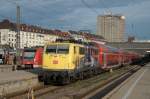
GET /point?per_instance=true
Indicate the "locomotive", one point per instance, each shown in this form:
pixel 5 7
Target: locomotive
pixel 69 60
pixel 32 57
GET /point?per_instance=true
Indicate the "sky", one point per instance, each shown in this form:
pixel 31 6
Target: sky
pixel 79 14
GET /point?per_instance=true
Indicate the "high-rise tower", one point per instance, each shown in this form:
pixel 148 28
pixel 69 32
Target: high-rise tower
pixel 111 27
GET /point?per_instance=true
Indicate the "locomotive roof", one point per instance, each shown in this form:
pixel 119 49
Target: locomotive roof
pixel 32 48
pixel 73 41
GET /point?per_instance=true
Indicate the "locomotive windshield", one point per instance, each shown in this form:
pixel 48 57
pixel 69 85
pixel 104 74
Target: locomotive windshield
pixel 57 49
pixel 51 49
pixel 29 54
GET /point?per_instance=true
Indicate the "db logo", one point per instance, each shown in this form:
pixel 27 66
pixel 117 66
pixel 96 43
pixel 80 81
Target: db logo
pixel 55 62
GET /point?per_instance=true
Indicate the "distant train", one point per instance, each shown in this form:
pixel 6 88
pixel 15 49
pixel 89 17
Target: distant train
pixel 69 60
pixel 32 57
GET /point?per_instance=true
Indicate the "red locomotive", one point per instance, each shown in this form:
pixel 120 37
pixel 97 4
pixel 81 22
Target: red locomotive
pixel 32 57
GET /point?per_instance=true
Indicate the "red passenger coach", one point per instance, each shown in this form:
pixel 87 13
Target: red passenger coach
pixel 108 57
pixel 32 57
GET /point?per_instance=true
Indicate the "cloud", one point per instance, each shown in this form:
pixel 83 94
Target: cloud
pixel 137 15
pixel 77 14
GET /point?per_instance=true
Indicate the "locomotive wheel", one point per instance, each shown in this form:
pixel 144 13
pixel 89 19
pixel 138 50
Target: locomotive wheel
pixel 46 79
pixel 91 72
pixel 72 79
pixel 66 80
pixel 95 72
pixel 59 79
pixel 46 82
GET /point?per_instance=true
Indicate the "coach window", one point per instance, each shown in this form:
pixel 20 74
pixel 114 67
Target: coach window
pixel 81 51
pixel 96 51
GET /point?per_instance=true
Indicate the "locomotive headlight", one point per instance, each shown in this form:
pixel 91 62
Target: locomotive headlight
pixel 34 60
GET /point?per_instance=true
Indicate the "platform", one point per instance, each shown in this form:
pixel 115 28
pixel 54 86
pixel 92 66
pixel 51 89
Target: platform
pixel 6 68
pixel 12 82
pixel 135 87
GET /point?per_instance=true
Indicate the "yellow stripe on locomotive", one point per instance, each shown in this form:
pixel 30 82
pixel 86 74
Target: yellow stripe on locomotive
pixel 62 56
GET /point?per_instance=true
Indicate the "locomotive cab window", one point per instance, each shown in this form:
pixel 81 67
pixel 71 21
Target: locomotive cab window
pixel 59 49
pixel 51 49
pixel 63 49
pixel 29 53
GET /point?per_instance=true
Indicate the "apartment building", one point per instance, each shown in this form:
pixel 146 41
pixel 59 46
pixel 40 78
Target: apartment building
pixel 29 35
pixel 111 27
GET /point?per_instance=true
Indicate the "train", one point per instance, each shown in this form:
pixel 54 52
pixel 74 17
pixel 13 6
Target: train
pixel 68 60
pixel 31 57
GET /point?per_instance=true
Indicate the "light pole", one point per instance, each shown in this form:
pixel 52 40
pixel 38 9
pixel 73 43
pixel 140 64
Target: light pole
pixel 18 27
pixel 17 47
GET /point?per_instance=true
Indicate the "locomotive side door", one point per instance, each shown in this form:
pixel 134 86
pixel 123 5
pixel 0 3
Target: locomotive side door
pixel 75 56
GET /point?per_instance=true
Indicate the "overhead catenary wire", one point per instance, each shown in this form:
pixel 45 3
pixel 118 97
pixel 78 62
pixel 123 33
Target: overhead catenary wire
pixel 8 17
pixel 23 7
pixel 12 2
pixel 2 17
pixel 61 20
pixel 88 6
pixel 108 10
pixel 43 16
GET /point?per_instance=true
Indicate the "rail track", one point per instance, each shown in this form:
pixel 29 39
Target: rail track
pixel 97 86
pixel 101 91
pixel 34 92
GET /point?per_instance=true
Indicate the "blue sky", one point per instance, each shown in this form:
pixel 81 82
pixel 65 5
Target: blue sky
pixel 80 14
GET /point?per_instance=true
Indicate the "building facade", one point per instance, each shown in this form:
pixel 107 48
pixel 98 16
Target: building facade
pixel 29 35
pixel 111 27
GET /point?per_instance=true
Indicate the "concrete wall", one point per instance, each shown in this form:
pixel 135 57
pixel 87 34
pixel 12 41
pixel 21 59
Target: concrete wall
pixel 13 82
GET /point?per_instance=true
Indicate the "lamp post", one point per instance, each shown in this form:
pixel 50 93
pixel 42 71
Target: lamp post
pixel 18 27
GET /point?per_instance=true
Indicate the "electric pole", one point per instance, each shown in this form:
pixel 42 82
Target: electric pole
pixel 18 27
